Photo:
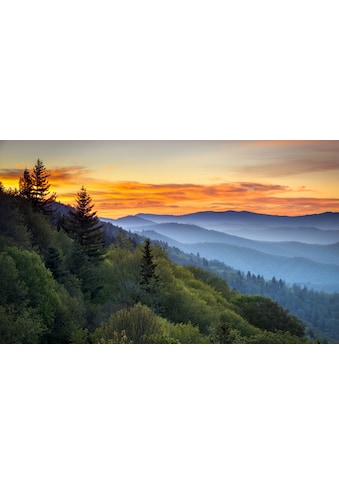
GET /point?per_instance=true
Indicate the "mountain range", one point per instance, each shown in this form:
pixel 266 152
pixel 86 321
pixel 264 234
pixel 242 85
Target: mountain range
pixel 299 249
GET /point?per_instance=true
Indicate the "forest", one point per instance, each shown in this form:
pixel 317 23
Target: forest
pixel 67 277
pixel 318 310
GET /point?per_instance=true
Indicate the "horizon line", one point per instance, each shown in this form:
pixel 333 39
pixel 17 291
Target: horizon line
pixel 139 214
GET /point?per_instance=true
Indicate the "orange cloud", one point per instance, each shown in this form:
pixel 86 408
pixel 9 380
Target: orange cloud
pixel 10 176
pixel 115 199
pixel 122 198
pixel 59 176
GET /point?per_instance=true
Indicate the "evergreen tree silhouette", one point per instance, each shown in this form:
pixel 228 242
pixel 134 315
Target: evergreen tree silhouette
pixel 34 186
pixel 147 266
pixel 84 226
pixel 26 185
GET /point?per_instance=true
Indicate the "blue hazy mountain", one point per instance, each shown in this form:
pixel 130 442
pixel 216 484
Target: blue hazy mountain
pixel 317 228
pixel 326 220
pixel 301 249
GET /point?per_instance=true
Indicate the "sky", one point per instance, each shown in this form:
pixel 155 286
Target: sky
pixel 180 177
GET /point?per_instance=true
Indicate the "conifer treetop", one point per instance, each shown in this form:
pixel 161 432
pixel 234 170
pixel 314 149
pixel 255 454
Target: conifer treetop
pixel 34 186
pixel 84 226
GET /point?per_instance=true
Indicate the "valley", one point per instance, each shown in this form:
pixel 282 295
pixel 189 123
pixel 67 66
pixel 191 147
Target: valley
pixel 274 246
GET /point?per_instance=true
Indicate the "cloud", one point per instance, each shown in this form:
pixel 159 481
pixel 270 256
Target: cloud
pixel 10 174
pixel 114 199
pixel 294 166
pixel 58 176
pixel 124 198
pixel 61 176
pixel 288 158
pixel 252 187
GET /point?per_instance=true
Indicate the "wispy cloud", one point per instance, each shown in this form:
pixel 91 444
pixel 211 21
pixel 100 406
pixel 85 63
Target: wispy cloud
pixel 288 158
pixel 114 199
pixel 124 198
pixel 293 166
pixel 59 176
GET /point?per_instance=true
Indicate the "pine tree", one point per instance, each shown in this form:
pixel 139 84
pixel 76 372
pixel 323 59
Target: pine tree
pixel 34 186
pixel 42 199
pixel 147 267
pixel 54 262
pixel 26 185
pixel 84 226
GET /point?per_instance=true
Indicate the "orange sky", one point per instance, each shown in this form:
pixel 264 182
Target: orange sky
pixel 177 177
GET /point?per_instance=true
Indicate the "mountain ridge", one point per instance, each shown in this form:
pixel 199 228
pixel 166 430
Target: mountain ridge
pixel 305 249
pixel 324 220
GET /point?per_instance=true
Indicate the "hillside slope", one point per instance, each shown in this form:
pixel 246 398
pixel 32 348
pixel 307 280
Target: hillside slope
pixel 54 292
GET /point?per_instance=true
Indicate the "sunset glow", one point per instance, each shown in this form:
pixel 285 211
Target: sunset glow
pixel 178 177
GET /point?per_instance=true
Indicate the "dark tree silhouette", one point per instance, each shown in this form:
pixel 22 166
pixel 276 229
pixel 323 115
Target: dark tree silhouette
pixel 34 186
pixel 26 185
pixel 41 197
pixel 84 226
pixel 150 286
pixel 147 268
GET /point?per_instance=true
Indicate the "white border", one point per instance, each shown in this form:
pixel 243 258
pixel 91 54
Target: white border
pixel 178 70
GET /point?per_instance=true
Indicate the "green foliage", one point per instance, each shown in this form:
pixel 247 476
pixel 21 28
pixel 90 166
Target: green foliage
pixel 185 333
pixel 266 314
pixel 39 226
pixel 54 263
pixel 120 276
pixel 32 298
pixel 212 280
pixel 232 328
pixel 12 289
pixel 19 323
pixel 122 240
pixel 13 229
pixel 186 299
pixel 39 282
pixel 279 337
pixel 139 324
pixel 116 339
pixel 69 320
pixel 24 327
